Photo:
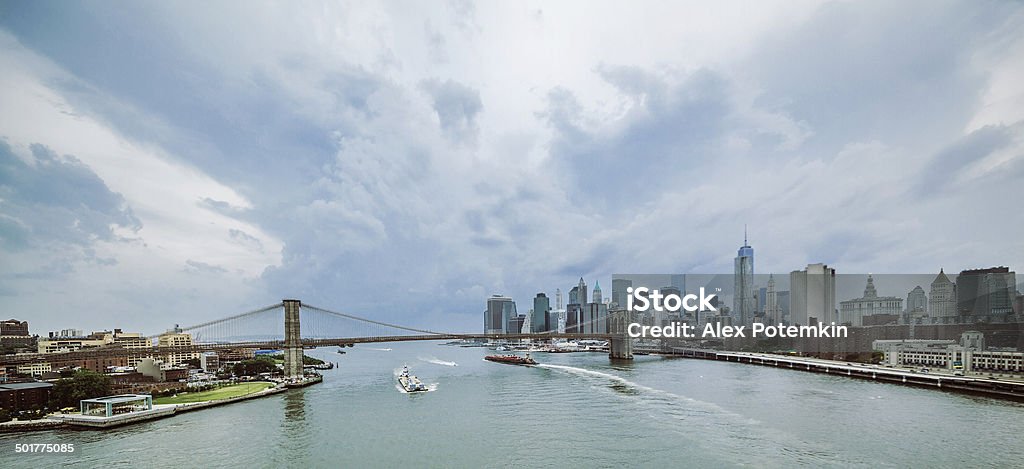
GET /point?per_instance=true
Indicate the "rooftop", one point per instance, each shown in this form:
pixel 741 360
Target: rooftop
pixel 118 398
pixel 33 385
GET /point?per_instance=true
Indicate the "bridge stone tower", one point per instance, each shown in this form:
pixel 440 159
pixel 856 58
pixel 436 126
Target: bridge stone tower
pixel 620 346
pixel 292 340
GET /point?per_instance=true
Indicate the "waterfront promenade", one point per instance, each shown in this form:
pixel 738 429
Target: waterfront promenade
pixel 994 387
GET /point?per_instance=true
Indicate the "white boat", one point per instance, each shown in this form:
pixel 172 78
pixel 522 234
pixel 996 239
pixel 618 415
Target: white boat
pixel 409 382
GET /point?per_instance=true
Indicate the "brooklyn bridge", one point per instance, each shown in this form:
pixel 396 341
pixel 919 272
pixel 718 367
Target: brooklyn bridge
pixel 292 326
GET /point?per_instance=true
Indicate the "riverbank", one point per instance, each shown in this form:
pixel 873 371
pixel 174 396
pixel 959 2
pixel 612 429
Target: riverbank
pixel 1003 389
pixel 160 410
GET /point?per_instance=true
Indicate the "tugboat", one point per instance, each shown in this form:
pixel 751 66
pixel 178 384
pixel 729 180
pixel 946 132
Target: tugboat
pixel 341 351
pixel 410 383
pixel 512 359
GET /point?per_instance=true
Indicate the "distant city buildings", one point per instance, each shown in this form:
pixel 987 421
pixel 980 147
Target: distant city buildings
pixel 540 320
pixel 744 299
pixel 96 339
pixel 772 309
pixel 812 295
pixel 942 298
pixel 619 287
pixel 576 310
pixel 917 304
pixel 967 355
pixel 986 292
pixel 854 311
pixel 14 334
pixel 499 310
pixel 177 338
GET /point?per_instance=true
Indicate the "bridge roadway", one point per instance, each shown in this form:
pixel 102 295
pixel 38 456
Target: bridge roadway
pixel 113 351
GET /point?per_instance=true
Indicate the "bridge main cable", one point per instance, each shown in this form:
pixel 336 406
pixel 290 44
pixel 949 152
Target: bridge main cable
pixel 229 318
pixel 371 321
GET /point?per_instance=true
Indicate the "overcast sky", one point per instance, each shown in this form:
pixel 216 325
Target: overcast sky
pixel 167 162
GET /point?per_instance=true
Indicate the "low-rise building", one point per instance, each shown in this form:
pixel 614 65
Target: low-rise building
pixel 17 397
pixel 176 338
pixel 34 369
pixel 967 355
pixel 160 371
pixel 209 362
pixel 14 333
pixel 54 344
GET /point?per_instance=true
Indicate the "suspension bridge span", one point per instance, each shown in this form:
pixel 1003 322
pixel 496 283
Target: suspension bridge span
pixel 306 326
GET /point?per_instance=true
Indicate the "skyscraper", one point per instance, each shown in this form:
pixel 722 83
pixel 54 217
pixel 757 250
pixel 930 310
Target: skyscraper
pixel 986 292
pixel 743 277
pixel 772 312
pixel 942 297
pixel 812 295
pixel 619 286
pixel 500 309
pixel 540 322
pixel 917 303
pixel 597 292
pixel 574 296
pixel 582 292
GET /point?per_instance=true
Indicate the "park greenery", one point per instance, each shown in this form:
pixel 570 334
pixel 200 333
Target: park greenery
pixel 223 392
pixel 83 384
pixel 306 359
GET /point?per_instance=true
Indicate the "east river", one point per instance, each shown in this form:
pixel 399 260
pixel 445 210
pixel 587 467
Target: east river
pixel 577 410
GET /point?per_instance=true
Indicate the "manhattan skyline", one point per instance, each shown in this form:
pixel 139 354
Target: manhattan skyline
pixel 407 162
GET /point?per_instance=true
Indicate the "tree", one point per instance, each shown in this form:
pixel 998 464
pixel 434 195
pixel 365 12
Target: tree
pixel 254 366
pixel 84 384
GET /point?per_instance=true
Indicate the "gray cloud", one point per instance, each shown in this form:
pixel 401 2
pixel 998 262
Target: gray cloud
pixel 56 199
pixel 838 138
pixel 203 267
pixel 457 106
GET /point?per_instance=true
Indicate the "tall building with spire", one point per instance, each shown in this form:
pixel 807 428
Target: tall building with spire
pixel 597 292
pixel 942 297
pixel 744 300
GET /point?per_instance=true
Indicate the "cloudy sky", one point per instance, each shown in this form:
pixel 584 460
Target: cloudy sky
pixel 165 162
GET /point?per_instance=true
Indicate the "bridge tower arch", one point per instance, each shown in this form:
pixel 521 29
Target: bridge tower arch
pixel 292 340
pixel 620 346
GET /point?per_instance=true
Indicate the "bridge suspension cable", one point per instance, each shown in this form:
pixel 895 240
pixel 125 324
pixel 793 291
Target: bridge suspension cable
pixel 370 321
pixel 229 318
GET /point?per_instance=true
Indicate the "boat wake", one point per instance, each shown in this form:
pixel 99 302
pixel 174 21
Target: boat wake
pixel 629 387
pixel 430 388
pixel 377 349
pixel 437 361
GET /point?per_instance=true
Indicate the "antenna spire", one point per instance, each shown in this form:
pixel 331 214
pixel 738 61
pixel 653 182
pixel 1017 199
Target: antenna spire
pixel 744 234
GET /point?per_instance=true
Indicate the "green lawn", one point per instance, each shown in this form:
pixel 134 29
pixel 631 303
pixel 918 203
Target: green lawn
pixel 225 392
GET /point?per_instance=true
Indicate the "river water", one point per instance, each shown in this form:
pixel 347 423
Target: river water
pixel 574 410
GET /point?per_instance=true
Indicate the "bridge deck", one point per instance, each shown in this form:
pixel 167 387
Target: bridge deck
pixel 111 351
